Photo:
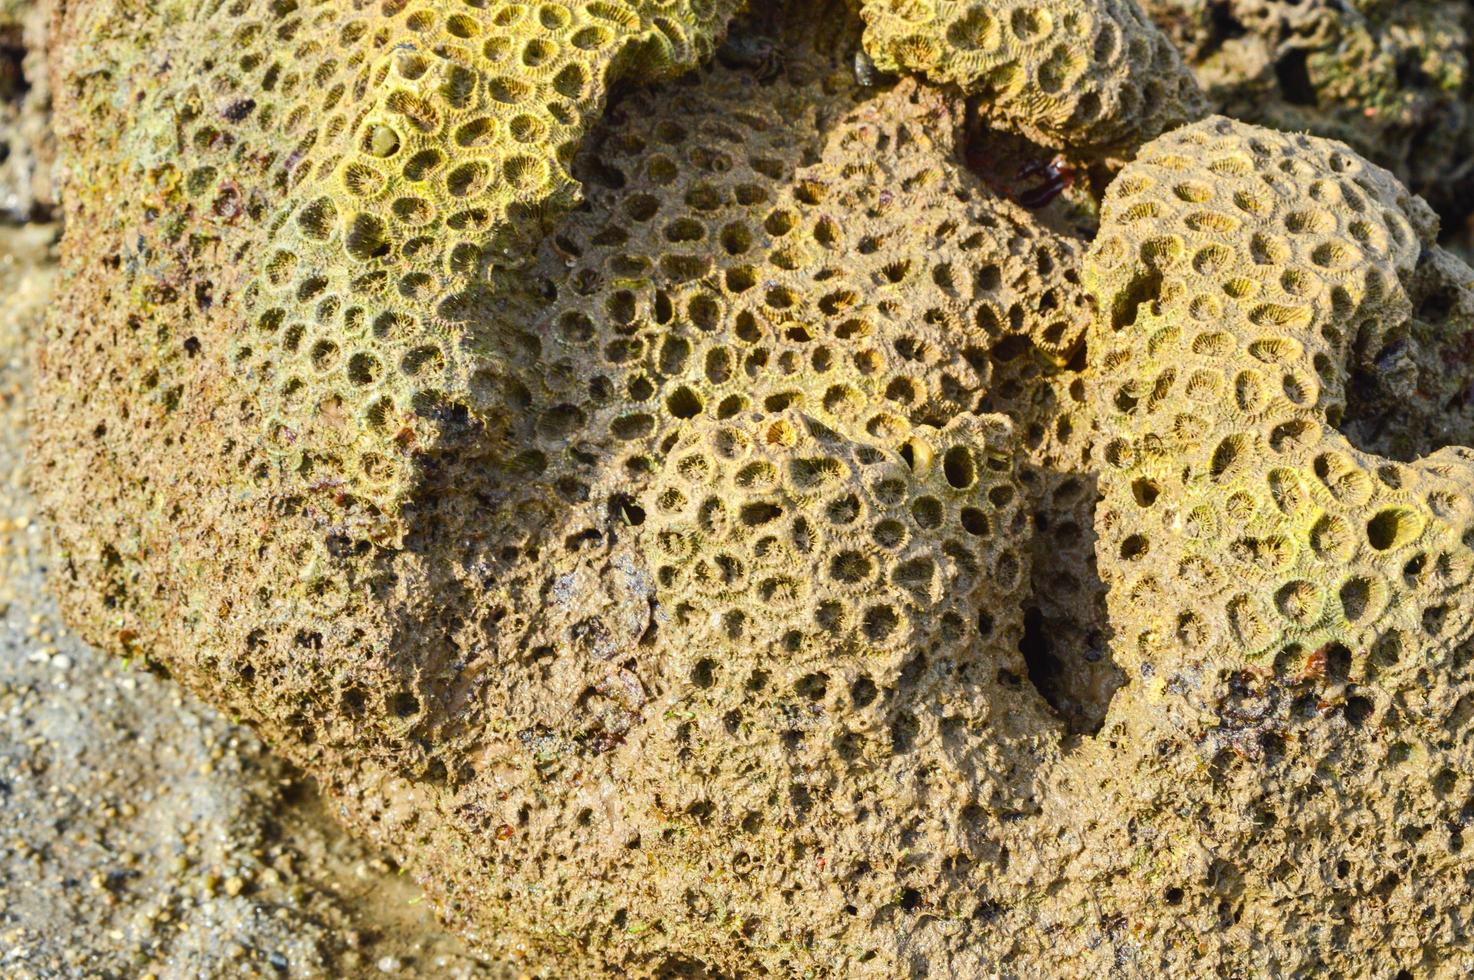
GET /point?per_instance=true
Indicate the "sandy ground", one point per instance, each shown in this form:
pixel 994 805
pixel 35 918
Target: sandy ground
pixel 141 833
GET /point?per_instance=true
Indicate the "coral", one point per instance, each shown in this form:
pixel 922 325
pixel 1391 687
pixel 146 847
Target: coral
pixel 1244 271
pixel 753 251
pixel 1067 637
pixel 787 555
pixel 1284 559
pixel 741 558
pixel 1093 75
pixel 889 316
pixel 842 624
pixel 410 155
pixel 1390 79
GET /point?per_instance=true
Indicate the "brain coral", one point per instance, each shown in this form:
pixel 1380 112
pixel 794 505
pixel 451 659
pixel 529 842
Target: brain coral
pixel 784 555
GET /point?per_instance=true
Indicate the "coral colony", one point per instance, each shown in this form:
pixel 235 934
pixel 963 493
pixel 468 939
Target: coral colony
pixel 699 523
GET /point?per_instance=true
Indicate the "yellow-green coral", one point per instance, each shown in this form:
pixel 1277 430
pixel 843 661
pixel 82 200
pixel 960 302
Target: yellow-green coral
pixel 1242 271
pixel 865 288
pixel 415 148
pixel 1093 75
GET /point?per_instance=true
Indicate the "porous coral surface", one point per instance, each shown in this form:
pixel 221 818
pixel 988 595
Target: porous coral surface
pixel 1093 75
pixel 1245 269
pixel 787 554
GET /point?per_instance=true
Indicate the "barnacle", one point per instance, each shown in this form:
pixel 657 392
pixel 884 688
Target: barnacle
pixel 701 525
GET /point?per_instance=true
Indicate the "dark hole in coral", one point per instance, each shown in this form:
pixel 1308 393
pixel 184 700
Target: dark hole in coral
pixel 879 623
pixel 904 730
pixel 622 507
pixel 353 701
pixel 684 403
pixel 1046 671
pixel 974 521
pixel 958 467
pixel 1437 305
pixel 812 686
pixel 758 514
pixel 985 624
pixel 1389 528
pixel 910 899
pixel 987 911
pixel 1011 348
pixel 404 705
pixel 1338 663
pixel 1146 287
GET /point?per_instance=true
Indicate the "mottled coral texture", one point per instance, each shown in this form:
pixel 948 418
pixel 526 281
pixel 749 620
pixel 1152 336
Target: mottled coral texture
pixel 1094 75
pixel 705 528
pixel 1389 77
